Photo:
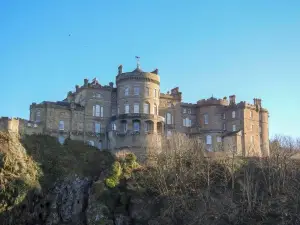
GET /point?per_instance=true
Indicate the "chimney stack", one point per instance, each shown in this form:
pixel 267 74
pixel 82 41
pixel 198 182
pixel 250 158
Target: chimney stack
pixel 232 99
pixel 86 82
pixel 120 69
pixel 155 71
pixel 111 84
pixel 77 88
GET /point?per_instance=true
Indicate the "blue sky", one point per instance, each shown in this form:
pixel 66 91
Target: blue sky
pixel 247 48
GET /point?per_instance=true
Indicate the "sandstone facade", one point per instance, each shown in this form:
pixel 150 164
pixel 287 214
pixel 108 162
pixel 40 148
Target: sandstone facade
pixel 134 114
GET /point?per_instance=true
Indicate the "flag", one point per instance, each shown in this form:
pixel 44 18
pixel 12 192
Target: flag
pixel 137 57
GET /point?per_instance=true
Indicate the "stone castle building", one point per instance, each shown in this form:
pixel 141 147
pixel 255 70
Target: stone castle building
pixel 135 114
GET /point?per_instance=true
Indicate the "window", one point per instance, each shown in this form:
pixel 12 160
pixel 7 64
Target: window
pixel 124 126
pixel 91 143
pixel 187 122
pixel 118 110
pixel 61 139
pixel 100 145
pixel 136 91
pixel 61 125
pixel 126 108
pixel 136 126
pixel 224 116
pixel 169 134
pixel 208 140
pixel 113 126
pixel 233 127
pixel 224 126
pixel 169 105
pixel 252 139
pixel 184 110
pixel 155 93
pixel 169 118
pixel 219 139
pixel 252 127
pixel 147 92
pixel 126 91
pixel 97 127
pixel 38 116
pixel 233 114
pixel 146 126
pixel 205 118
pixel 155 109
pixel 136 108
pixel 146 108
pixel 189 111
pixel 97 95
pixel 251 114
pixel 98 111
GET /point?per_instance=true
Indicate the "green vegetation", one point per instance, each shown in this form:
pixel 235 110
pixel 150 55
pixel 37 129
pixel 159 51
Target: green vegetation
pixel 38 161
pixel 122 169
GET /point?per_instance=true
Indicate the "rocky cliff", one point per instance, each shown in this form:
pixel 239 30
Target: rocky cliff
pixel 43 182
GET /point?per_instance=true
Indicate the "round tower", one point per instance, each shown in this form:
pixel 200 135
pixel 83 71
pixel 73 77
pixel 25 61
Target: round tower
pixel 137 121
pixel 264 132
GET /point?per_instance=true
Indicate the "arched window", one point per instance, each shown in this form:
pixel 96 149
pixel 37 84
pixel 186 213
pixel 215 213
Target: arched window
pixel 169 118
pixel 38 116
pixel 208 140
pixel 146 108
pixel 124 125
pixel 126 91
pixel 136 125
pixel 233 114
pixel 155 111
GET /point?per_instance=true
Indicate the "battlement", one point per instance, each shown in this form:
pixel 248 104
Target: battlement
pixel 212 101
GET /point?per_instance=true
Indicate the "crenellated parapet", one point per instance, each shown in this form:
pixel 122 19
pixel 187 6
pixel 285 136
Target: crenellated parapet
pixel 212 101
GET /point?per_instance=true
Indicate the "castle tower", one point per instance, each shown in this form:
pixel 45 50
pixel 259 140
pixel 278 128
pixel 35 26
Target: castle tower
pixel 137 121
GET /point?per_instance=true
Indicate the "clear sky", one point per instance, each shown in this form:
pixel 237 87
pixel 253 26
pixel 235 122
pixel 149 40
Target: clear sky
pixel 249 48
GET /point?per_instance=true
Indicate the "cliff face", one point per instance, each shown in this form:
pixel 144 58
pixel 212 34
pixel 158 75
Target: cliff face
pixel 43 182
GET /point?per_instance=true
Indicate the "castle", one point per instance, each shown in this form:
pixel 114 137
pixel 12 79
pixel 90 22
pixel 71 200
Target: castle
pixel 134 114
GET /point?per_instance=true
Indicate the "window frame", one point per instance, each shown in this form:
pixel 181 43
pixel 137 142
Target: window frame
pixel 146 108
pixel 136 107
pixel 208 139
pixel 61 125
pixel 126 108
pixel 136 91
pixel 205 118
pixel 233 114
